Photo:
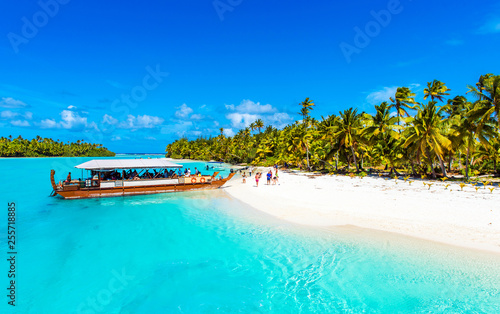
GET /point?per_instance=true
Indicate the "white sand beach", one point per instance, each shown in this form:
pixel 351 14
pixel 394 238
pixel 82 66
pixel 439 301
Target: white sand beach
pixel 468 218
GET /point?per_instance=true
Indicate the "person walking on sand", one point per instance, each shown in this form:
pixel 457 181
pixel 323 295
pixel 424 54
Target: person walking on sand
pixel 244 176
pixel 269 175
pixel 257 177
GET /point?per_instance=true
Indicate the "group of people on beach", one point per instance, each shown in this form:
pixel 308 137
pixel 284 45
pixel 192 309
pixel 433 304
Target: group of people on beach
pixel 271 179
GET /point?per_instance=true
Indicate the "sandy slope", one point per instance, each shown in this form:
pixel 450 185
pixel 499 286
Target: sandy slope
pixel 466 218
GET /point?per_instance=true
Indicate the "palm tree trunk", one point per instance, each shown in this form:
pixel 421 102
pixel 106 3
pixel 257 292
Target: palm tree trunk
pixel 307 150
pixel 467 164
pixel 348 159
pixel 450 161
pixel 354 156
pixel 431 163
pixel 413 169
pixel 441 163
pixel 459 160
pixel 337 161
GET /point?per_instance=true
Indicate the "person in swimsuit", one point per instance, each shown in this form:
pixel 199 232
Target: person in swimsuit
pixel 244 177
pixel 257 177
pixel 68 179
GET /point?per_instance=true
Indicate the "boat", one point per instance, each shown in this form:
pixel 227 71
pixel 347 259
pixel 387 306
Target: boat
pixel 120 177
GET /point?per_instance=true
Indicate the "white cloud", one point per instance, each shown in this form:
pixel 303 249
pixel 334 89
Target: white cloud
pixel 183 111
pixel 228 132
pixel 490 27
pixel 20 123
pixel 109 119
pixel 248 111
pixel 248 106
pixel 141 122
pixel 241 120
pixel 375 98
pixel 116 138
pixel 384 94
pixel 72 120
pixel 9 102
pixel 279 119
pixel 197 116
pixel 93 125
pixel 7 114
pixel 48 124
pixel 71 107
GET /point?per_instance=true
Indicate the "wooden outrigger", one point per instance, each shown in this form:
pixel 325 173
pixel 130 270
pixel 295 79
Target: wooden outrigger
pixel 129 184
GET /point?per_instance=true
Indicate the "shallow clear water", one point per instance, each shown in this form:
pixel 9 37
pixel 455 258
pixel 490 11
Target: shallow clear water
pixel 205 252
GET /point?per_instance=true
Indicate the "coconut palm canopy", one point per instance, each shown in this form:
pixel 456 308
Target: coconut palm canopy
pixel 437 136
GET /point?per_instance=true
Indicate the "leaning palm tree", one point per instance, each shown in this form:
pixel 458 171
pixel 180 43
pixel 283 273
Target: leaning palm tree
pixel 424 135
pixel 381 123
pixel 468 130
pixel 436 90
pixel 252 126
pixel 488 94
pixel 402 100
pixel 348 129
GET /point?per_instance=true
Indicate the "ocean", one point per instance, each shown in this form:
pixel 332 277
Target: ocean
pixel 205 252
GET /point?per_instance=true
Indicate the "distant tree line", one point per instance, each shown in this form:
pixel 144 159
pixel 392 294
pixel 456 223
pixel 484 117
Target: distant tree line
pixel 46 147
pixel 439 136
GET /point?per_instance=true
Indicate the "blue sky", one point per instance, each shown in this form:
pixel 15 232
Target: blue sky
pixel 138 75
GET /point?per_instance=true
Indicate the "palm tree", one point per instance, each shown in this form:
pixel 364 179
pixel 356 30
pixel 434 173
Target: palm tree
pixel 259 124
pixel 307 105
pixel 404 98
pixel 468 130
pixel 382 136
pixel 436 89
pixel 381 123
pixel 488 94
pixel 425 136
pixel 348 128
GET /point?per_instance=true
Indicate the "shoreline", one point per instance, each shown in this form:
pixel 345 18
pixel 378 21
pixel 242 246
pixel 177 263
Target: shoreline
pixel 442 214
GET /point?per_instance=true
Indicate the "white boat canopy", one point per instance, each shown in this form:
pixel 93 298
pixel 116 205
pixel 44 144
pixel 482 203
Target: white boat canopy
pixel 110 164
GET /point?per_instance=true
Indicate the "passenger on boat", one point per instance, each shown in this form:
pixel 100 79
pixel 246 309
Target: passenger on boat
pixel 196 171
pixel 68 179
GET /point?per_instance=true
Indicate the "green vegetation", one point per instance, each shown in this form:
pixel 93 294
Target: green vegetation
pixel 439 136
pixel 41 147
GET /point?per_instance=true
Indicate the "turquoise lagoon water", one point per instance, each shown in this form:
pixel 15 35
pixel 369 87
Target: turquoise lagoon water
pixel 203 252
